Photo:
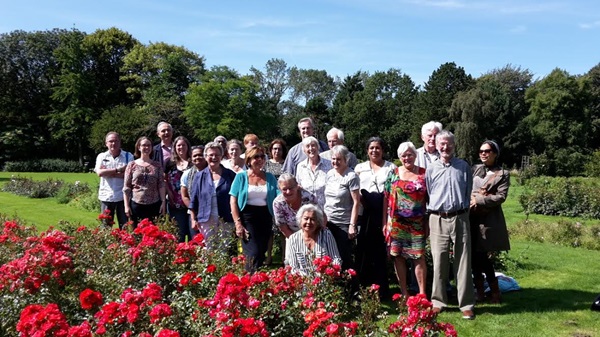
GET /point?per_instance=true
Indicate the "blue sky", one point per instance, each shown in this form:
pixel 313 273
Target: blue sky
pixel 344 36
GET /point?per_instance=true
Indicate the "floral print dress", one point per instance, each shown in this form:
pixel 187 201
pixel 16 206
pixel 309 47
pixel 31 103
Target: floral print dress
pixel 405 234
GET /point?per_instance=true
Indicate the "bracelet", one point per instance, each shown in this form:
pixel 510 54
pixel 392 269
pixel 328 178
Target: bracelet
pixel 352 225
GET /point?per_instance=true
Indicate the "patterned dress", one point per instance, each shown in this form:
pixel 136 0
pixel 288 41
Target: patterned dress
pixel 406 209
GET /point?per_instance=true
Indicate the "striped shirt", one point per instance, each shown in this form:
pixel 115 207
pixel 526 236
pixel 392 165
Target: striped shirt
pixel 300 257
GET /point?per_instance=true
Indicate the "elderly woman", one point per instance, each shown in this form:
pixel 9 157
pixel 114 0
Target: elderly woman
pixel 488 227
pixel 287 204
pixel 311 173
pixel 209 200
pixel 404 217
pixel 342 201
pixel 144 185
pixel 252 194
pixel 371 255
pixel 312 241
pixel 179 162
pixel 235 161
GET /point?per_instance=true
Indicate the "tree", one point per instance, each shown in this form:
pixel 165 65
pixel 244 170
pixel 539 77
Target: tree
pixel 273 83
pixel 308 84
pixel 129 122
pixel 226 104
pixel 593 79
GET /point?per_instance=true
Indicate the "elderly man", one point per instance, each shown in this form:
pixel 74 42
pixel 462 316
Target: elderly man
pixel 428 152
pixel 162 151
pixel 296 154
pixel 335 137
pixel 110 166
pixel 449 182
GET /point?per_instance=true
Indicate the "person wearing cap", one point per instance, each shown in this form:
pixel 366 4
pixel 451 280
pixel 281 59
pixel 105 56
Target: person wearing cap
pixel 488 226
pixel 449 183
pixel 428 152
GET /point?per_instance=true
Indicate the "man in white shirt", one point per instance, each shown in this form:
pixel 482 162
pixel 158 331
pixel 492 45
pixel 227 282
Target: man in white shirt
pixel 428 152
pixel 335 137
pixel 110 166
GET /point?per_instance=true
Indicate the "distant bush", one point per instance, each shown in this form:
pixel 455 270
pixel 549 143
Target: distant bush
pixel 88 201
pixel 564 233
pixel 69 192
pixel 33 188
pixel 43 165
pixel 562 196
pixel 592 166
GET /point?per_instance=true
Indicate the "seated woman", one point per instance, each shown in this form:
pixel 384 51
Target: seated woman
pixel 312 241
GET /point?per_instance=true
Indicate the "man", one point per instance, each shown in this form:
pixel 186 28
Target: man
pixel 335 137
pixel 449 182
pixel 428 152
pixel 162 151
pixel 296 154
pixel 110 166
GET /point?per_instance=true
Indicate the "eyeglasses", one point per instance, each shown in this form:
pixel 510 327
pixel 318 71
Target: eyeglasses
pixel 258 156
pixel 485 151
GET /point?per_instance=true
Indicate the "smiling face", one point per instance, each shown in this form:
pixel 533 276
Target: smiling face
pixel 289 189
pixel 213 157
pixel 338 162
pixel 446 148
pixel 487 155
pixel 257 161
pixel 429 140
pixel 333 140
pixel 408 159
pixel 309 222
pixel 113 144
pixel 375 152
pixel 145 147
pixel 234 150
pixel 306 129
pixel 165 133
pixel 182 149
pixel 311 150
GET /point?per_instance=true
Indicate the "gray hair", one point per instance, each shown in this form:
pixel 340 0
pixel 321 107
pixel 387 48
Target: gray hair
pixel 217 138
pixel 431 126
pixel 406 146
pixel 163 123
pixel 307 119
pixel 310 208
pixel 338 132
pixel 309 140
pixel 285 177
pixel 444 134
pixel 213 145
pixel 340 150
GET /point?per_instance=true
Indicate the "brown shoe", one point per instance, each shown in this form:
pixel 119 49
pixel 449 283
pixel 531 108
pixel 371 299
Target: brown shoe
pixel 468 314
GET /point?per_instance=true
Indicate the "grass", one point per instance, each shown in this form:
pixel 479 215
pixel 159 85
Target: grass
pixel 559 283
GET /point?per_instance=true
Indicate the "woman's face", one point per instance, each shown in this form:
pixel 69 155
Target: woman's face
pixel 234 151
pixel 338 162
pixel 375 152
pixel 198 157
pixel 258 161
pixel 277 151
pixel 145 147
pixel 182 149
pixel 289 189
pixel 309 222
pixel 408 159
pixel 486 155
pixel 311 150
pixel 213 156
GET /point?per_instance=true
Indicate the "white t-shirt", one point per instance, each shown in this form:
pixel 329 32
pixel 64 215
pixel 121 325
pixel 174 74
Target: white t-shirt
pixel 111 188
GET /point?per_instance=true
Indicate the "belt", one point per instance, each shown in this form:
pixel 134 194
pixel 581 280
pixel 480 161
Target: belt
pixel 449 214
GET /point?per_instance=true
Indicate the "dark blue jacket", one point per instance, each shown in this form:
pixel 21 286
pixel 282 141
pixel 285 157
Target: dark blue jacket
pixel 201 194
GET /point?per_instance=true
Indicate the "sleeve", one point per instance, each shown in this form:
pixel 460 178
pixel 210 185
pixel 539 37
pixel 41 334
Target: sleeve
pixel 99 159
pixel 290 248
pixel 354 183
pixel 497 198
pixel 128 178
pixel 289 165
pixel 277 213
pixel 194 194
pixel 236 186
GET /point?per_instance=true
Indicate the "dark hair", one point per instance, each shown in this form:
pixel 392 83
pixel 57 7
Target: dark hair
pixel 137 152
pixel 283 146
pixel 375 139
pixel 174 156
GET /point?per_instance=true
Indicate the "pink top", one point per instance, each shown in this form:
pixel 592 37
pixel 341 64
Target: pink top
pixel 143 183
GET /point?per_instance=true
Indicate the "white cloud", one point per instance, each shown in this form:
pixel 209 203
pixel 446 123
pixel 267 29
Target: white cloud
pixel 590 25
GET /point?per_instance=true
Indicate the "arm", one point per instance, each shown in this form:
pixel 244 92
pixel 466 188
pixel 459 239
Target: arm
pixel 285 229
pixel 235 212
pixel 331 247
pixel 162 191
pixel 384 218
pixel 127 190
pixel 493 200
pixel 352 231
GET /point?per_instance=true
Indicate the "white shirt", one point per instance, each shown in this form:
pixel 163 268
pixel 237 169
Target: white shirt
pixel 111 188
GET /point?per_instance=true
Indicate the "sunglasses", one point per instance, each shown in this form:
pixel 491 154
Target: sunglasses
pixel 485 151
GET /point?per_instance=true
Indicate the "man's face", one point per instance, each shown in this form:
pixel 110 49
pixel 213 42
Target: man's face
pixel 446 148
pixel 333 140
pixel 305 130
pixel 113 143
pixel 429 139
pixel 165 133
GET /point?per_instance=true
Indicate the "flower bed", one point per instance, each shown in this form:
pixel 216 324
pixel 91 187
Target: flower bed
pixel 98 282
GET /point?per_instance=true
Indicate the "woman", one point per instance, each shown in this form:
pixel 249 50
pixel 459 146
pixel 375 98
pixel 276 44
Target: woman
pixel 178 163
pixel 209 200
pixel 144 189
pixel 342 201
pixel 371 255
pixel 312 241
pixel 311 173
pixel 404 221
pixel 488 226
pixel 278 151
pixel 252 194
pixel 235 162
pixel 287 204
pixel 274 165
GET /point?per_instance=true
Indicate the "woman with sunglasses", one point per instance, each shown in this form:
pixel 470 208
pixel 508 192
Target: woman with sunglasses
pixel 252 194
pixel 488 226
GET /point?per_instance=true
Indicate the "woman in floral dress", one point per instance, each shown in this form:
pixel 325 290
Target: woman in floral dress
pixel 404 217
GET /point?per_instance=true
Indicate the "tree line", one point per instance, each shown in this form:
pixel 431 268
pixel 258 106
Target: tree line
pixel 62 90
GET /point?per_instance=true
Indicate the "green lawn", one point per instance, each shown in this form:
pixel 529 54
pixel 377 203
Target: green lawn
pixel 559 283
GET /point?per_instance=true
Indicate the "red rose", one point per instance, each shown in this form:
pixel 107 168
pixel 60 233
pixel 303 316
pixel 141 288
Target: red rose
pixel 90 299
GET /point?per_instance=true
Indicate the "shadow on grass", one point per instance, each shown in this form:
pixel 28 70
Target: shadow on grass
pixel 540 300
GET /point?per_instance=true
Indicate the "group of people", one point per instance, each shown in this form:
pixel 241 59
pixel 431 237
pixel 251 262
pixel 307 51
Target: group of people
pixel 324 202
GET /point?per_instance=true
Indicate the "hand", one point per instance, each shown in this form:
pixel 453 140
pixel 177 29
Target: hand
pixel 240 231
pixel 352 232
pixel 195 225
pixel 163 207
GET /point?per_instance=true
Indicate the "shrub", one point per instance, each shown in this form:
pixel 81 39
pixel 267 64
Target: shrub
pixel 33 188
pixel 44 165
pixel 69 191
pixel 564 233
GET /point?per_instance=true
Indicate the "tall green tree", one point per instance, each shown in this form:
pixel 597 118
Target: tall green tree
pixel 593 79
pixel 308 84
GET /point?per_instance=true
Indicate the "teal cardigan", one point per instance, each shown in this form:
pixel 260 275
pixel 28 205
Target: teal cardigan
pixel 239 189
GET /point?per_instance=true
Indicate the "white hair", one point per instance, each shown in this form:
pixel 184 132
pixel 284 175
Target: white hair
pixel 338 132
pixel 406 146
pixel 430 126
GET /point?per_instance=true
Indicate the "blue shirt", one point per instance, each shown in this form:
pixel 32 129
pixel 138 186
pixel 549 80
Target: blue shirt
pixel 449 185
pixel 201 193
